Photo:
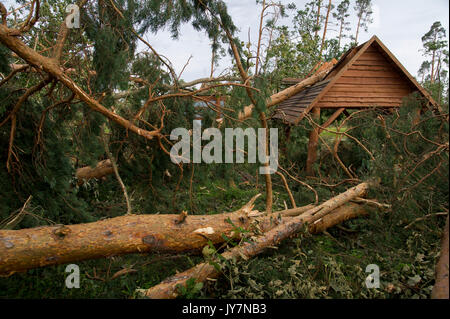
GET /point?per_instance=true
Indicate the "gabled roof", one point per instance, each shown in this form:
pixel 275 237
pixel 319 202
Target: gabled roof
pixel 296 107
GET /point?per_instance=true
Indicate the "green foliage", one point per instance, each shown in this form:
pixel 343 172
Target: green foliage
pixel 191 290
pixel 4 59
pixel 434 72
pixel 53 140
pixel 341 15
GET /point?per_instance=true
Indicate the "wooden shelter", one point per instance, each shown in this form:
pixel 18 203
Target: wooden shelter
pixel 365 76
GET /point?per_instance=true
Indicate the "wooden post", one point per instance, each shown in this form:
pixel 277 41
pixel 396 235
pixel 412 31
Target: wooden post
pixel 312 145
pixel 287 132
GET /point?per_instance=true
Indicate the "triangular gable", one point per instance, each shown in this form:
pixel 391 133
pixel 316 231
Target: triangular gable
pixel 341 71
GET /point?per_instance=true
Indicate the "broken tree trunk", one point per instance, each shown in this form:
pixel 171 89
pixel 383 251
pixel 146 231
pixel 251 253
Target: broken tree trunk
pixel 286 93
pixel 50 245
pixel 337 216
pixel 317 215
pixel 102 169
pixel 440 289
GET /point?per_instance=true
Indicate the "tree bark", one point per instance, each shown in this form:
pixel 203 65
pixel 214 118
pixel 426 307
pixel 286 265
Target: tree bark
pixel 52 67
pixel 312 144
pixel 440 289
pixel 357 28
pixel 318 18
pixel 202 272
pixel 325 29
pixel 340 33
pixel 102 169
pixel 51 245
pixel 286 93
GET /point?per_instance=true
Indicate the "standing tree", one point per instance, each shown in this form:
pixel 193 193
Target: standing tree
pixel 433 73
pixel 341 14
pixel 434 44
pixel 318 3
pixel 364 12
pixel 424 70
pixel 329 9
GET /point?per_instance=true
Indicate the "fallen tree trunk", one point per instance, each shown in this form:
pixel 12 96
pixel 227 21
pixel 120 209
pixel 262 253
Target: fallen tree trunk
pixel 103 168
pixel 286 93
pixel 50 245
pixel 317 215
pixel 440 289
pixel 337 216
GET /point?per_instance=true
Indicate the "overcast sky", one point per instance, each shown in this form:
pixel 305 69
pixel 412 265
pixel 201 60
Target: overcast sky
pixel 400 24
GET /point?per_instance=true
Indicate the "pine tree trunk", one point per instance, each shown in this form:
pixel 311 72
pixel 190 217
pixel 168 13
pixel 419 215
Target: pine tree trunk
pixel 286 93
pixel 357 29
pixel 432 62
pixel 318 18
pixel 318 215
pixel 340 34
pixel 440 289
pixel 51 245
pixel 325 29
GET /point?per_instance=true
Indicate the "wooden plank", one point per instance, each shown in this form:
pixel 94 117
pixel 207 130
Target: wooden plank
pixel 363 81
pixel 371 63
pixel 371 88
pixel 365 94
pixel 371 74
pixel 361 99
pixel 355 105
pixel 370 67
pixel 372 56
pixel 373 93
pixel 366 101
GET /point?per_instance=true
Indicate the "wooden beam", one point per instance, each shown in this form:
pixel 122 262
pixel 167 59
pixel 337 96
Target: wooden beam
pixel 332 119
pixel 312 145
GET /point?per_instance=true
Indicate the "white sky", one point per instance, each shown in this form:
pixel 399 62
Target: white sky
pixel 400 24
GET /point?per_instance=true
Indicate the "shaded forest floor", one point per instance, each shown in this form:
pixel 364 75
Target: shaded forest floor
pixel 329 265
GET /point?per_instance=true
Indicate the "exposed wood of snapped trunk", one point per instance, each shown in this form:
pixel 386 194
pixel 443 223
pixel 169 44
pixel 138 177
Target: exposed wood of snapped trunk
pixel 103 168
